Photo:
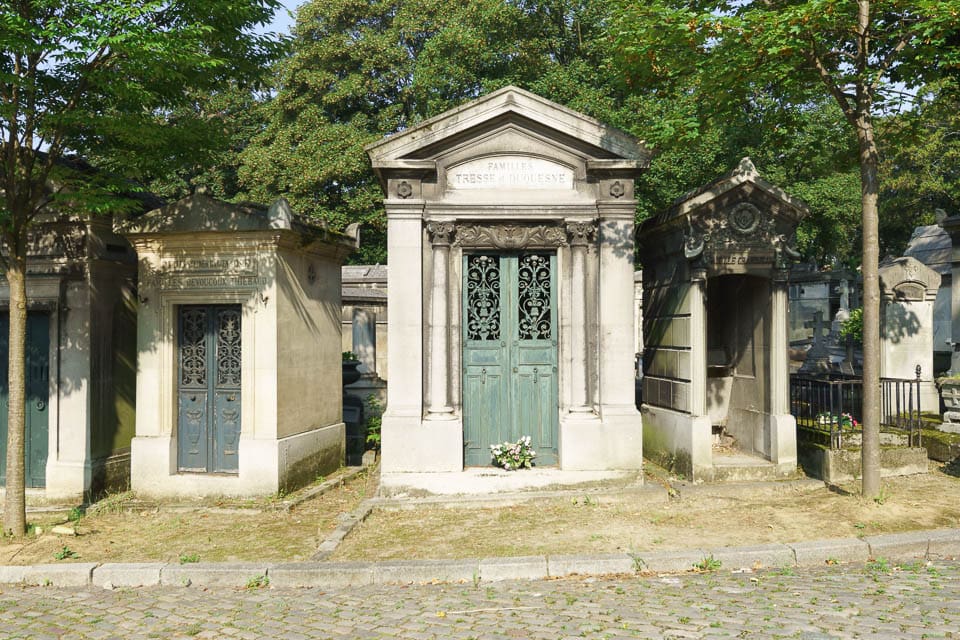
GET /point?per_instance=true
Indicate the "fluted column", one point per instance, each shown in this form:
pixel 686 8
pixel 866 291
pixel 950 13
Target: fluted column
pixel 698 342
pixel 779 345
pixel 580 235
pixel 440 235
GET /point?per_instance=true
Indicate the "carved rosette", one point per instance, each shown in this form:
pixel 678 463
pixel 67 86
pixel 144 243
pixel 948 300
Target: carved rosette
pixel 581 234
pixel 441 233
pixel 510 236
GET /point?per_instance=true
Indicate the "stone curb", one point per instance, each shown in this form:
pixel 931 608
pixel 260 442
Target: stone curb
pixel 912 546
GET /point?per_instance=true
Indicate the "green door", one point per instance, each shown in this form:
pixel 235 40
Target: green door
pixel 38 396
pixel 510 354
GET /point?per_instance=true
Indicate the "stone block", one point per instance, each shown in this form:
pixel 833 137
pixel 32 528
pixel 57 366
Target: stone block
pixel 565 565
pixel 11 574
pixel 670 561
pixel 911 545
pixel 519 568
pixel 814 553
pixel 60 575
pixel 144 574
pixel 406 571
pixel 321 574
pixel 944 543
pixel 225 574
pixel 764 556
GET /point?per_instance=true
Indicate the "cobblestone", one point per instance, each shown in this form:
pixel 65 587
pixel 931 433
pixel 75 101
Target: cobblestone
pixel 916 600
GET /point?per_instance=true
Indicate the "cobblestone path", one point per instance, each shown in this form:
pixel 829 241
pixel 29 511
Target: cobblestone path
pixel 876 601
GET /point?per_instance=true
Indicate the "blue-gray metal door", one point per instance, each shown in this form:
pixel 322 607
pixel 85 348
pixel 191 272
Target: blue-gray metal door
pixel 510 354
pixel 36 428
pixel 208 388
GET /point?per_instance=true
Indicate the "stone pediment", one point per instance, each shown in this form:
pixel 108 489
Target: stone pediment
pixel 737 224
pixel 199 212
pixel 507 110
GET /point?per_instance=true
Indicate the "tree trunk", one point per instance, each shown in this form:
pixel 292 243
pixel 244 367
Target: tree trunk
pixel 869 159
pixel 14 508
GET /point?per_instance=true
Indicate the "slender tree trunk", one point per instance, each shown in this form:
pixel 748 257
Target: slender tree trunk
pixel 14 508
pixel 869 159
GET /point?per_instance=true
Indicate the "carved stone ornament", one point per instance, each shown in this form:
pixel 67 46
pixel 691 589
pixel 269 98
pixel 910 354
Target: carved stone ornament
pixel 441 232
pixel 404 190
pixel 581 233
pixel 510 236
pixel 744 218
pixel 694 242
pixel 617 189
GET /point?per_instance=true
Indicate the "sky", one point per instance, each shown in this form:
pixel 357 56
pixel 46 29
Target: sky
pixel 283 19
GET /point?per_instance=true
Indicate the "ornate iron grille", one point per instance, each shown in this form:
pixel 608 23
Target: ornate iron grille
pixel 535 318
pixel 193 348
pixel 483 298
pixel 228 347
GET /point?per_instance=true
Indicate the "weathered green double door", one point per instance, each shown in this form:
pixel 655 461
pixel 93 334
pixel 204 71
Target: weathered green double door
pixel 37 426
pixel 510 354
pixel 208 388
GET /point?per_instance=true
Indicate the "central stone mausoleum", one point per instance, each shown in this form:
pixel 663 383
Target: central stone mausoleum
pixel 510 235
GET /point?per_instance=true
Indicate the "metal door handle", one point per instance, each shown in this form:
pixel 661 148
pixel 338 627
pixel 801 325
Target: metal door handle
pixel 534 375
pixel 193 398
pixel 483 376
pixel 40 405
pixel 231 397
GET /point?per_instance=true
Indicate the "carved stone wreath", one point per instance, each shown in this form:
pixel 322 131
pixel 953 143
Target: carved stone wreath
pixel 744 218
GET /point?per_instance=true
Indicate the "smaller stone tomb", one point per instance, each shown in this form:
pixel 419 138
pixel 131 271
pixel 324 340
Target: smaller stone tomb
pixel 715 329
pixel 238 349
pixel 909 291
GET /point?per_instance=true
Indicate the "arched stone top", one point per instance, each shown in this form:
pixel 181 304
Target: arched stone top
pixel 908 279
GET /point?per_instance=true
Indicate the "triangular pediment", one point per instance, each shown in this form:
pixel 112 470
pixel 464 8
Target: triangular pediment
pixel 509 109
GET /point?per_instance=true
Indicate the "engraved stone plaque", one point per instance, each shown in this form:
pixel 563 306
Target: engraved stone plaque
pixel 510 172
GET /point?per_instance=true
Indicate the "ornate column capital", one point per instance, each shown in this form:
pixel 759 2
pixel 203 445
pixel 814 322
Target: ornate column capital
pixel 441 233
pixel 581 234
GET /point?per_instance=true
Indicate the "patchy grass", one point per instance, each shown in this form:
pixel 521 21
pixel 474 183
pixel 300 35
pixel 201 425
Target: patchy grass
pixel 123 529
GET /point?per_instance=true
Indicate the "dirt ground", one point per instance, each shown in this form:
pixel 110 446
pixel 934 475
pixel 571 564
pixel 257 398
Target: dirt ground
pixel 123 529
pixel 702 516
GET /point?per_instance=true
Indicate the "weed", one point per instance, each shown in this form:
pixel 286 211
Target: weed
pixel 831 560
pixel 258 582
pixel 878 566
pixel 193 629
pixel 881 497
pixel 683 620
pixel 187 558
pixel 76 514
pixel 571 599
pixel 639 564
pixel 65 553
pixel 709 563
pixel 786 571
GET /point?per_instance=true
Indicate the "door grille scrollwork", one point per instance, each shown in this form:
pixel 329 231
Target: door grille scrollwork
pixel 483 298
pixel 535 319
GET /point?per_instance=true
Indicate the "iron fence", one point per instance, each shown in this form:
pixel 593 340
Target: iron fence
pixel 828 411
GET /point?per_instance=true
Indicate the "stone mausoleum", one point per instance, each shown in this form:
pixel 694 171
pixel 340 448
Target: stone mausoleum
pixel 239 383
pixel 510 234
pixel 716 379
pixel 80 360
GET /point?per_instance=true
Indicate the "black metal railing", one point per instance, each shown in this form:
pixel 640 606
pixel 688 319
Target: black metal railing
pixel 829 411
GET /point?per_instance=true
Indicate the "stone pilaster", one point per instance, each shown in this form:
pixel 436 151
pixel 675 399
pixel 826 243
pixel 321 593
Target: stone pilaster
pixel 698 342
pixel 441 235
pixel 779 345
pixel 580 234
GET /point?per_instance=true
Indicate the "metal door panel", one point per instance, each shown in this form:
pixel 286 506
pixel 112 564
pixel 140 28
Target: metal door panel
pixel 36 427
pixel 509 354
pixel 208 393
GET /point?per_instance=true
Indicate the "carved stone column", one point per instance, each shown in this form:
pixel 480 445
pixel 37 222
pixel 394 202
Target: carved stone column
pixel 581 234
pixel 698 342
pixel 441 235
pixel 779 345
